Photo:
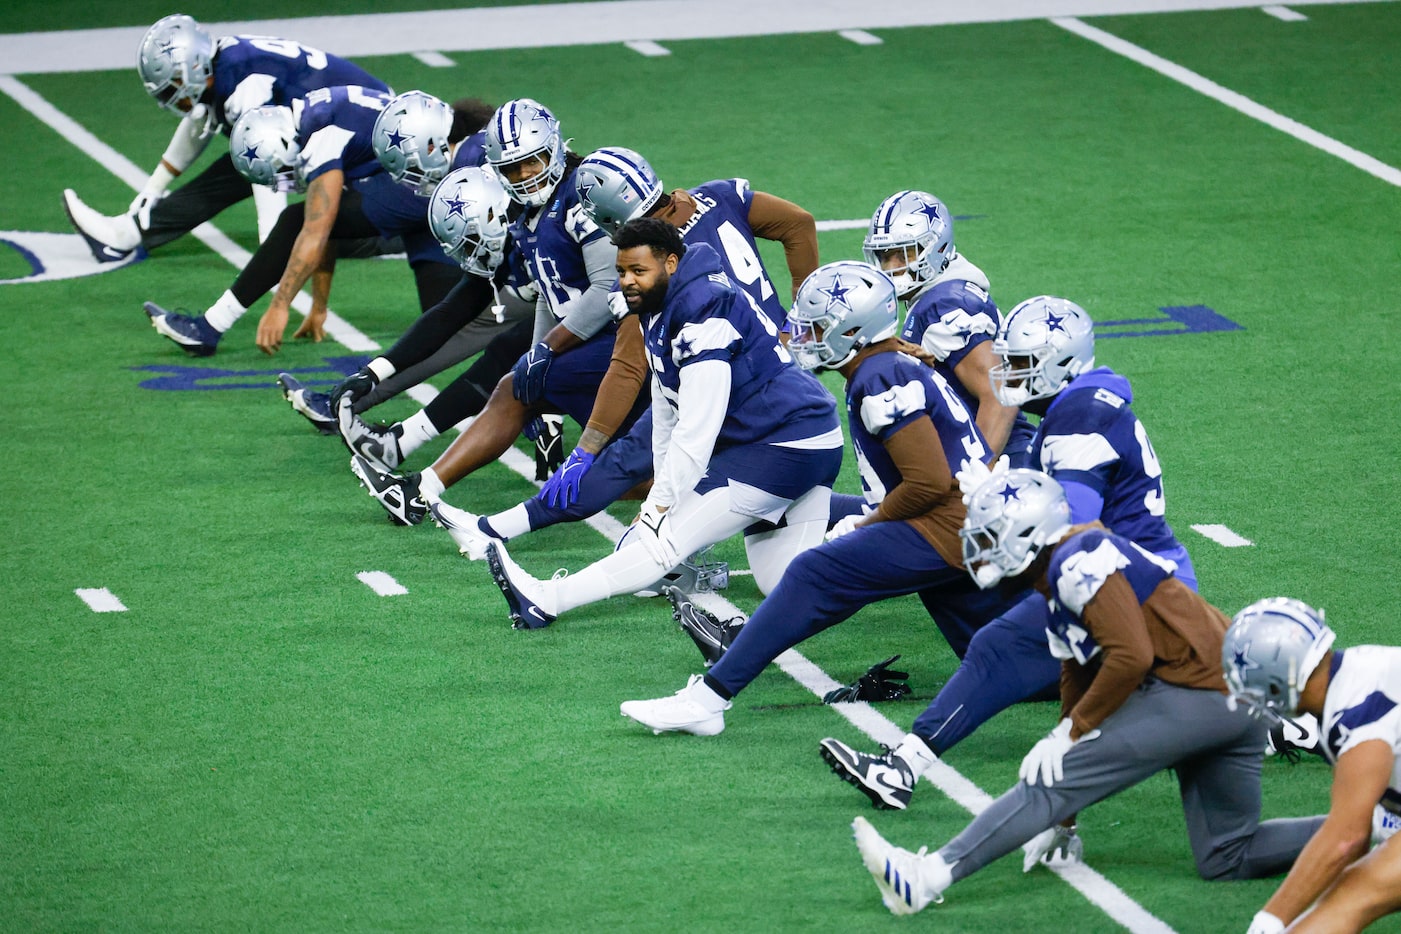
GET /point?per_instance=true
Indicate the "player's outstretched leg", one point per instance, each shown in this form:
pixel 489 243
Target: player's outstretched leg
pixel 907 881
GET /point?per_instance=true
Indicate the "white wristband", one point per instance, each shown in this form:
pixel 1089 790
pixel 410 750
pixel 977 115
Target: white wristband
pixel 381 367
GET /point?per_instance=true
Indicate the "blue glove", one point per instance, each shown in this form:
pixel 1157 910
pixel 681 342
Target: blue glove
pixel 528 375
pixel 562 489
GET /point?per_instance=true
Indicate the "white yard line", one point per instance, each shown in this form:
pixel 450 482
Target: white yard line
pixel 382 583
pixel 1285 14
pixel 435 59
pixel 1222 536
pixel 100 600
pixel 648 48
pixel 1231 99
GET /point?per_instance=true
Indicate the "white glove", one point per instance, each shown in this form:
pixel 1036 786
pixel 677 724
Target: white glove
pixel 844 525
pixel 975 473
pixel 618 306
pixel 654 532
pixel 1054 846
pixel 1046 759
pixel 155 190
pixel 1265 923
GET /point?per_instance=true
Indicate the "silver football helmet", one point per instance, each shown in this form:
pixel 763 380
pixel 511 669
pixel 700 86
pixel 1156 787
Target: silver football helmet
pixel 411 140
pixel 175 60
pixel 468 216
pixel 840 308
pixel 1044 343
pixel 616 185
pixel 1011 517
pixel 1269 652
pixel 264 148
pixel 911 239
pixel 520 133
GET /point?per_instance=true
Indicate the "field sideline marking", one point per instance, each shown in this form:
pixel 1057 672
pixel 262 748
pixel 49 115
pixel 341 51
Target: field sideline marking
pixel 1095 887
pixel 1237 102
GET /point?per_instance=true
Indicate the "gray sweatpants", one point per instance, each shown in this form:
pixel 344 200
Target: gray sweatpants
pixel 1217 756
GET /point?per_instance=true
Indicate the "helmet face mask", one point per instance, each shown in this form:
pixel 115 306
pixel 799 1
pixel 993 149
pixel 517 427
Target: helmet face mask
pixel 1268 654
pixel 839 309
pixel 910 238
pixel 467 214
pixel 1011 518
pixel 526 151
pixel 616 185
pixel 411 140
pixel 175 61
pixel 264 148
pixel 1044 343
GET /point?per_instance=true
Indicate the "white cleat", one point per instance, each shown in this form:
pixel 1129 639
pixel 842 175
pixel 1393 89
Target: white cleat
pixel 462 526
pixel 694 709
pixel 907 881
pixel 111 239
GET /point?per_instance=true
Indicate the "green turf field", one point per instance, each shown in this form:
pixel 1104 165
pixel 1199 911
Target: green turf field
pixel 260 742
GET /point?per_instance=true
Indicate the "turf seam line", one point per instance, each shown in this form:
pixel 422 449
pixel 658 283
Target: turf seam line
pixel 1233 100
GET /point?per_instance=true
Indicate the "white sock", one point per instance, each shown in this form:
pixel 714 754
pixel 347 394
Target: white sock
pixel 704 695
pixel 429 486
pixel 626 570
pixel 916 753
pixel 415 431
pixel 223 313
pixel 511 523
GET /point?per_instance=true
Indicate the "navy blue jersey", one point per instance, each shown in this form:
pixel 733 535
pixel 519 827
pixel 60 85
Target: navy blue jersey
pixel 335 130
pixel 250 71
pixel 722 220
pixel 470 152
pixel 706 317
pixel 1090 437
pixel 889 391
pixel 1079 567
pixel 551 244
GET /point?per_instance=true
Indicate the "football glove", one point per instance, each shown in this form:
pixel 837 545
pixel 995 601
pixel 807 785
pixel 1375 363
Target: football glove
pixel 528 375
pixel 1046 761
pixel 1054 846
pixel 879 683
pixel 354 387
pixel 844 526
pixel 654 532
pixel 1265 923
pixel 562 489
pixel 618 306
pixel 547 431
pixel 975 473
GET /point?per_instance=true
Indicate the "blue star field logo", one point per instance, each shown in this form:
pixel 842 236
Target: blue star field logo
pixel 397 139
pixel 1053 322
pixel 836 295
pixel 1009 493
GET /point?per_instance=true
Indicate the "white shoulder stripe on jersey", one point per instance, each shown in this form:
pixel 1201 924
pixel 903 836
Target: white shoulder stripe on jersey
pixel 701 337
pixel 893 405
pixel 325 145
pixel 1077 452
pixel 1082 574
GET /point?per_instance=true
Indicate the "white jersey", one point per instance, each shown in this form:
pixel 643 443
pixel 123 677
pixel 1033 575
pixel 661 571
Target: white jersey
pixel 1364 704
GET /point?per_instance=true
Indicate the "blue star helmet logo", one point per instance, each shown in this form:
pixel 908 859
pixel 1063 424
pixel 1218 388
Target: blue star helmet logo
pixel 930 212
pixel 1053 322
pixel 1009 493
pixel 1241 660
pixel 457 207
pixel 586 191
pixel 397 139
pixel 250 153
pixel 836 295
pixel 167 48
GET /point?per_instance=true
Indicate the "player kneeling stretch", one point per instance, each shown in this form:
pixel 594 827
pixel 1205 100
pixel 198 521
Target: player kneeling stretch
pixel 1280 662
pixel 1141 692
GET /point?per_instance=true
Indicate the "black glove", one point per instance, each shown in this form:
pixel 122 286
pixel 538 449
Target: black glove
pixel 354 387
pixel 879 683
pixel 528 375
pixel 547 431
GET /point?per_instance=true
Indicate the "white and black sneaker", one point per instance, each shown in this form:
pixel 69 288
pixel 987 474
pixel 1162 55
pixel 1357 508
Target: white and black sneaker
pixel 111 239
pixel 398 495
pixel 378 444
pixel 886 779
pixel 707 631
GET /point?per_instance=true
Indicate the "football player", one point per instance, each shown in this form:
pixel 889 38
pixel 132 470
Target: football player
pixel 911 434
pixel 617 185
pixel 1141 692
pixel 570 263
pixel 1280 663
pixel 209 84
pixel 322 144
pixel 743 440
pixel 1090 440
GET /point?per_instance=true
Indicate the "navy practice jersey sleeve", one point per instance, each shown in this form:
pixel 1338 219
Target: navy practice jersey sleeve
pixel 250 71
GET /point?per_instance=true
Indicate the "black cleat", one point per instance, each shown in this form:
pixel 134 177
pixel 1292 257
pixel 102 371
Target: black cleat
pixel 886 779
pixel 710 635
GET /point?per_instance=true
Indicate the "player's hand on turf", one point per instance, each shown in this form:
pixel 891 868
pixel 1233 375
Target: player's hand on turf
pixel 1054 846
pixel 562 489
pixel 879 683
pixel 314 327
pixel 271 327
